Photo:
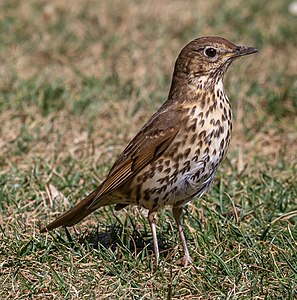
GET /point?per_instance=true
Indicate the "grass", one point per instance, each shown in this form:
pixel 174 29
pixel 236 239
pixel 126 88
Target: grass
pixel 78 79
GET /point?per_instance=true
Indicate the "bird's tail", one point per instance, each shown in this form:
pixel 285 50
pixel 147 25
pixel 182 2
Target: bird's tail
pixel 78 212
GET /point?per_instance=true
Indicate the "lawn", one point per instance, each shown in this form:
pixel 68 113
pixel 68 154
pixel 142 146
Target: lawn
pixel 77 80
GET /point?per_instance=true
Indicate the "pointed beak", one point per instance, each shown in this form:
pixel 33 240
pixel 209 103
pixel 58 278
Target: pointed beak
pixel 242 50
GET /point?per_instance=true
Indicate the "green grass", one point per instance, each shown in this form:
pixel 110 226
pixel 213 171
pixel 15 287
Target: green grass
pixel 77 81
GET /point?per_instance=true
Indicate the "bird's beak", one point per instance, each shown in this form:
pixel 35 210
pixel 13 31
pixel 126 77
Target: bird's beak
pixel 243 50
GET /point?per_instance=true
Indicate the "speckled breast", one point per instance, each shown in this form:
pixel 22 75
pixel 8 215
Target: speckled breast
pixel 187 168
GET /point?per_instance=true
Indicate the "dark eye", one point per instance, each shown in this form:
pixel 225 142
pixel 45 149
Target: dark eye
pixel 210 52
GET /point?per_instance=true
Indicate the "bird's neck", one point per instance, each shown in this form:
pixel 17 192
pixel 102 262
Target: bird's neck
pixel 198 89
pixel 206 83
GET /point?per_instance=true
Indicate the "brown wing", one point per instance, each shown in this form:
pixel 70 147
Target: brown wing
pixel 150 142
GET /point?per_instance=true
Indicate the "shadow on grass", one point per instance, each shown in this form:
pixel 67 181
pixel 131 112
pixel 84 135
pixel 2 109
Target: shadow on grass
pixel 116 237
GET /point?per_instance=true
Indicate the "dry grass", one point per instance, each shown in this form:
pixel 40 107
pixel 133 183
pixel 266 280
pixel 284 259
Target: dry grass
pixel 78 79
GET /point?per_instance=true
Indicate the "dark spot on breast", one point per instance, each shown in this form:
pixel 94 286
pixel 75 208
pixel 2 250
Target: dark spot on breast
pixel 185 169
pixel 175 146
pixel 197 152
pixel 193 126
pixel 211 135
pixel 178 157
pixel 167 171
pixel 174 190
pixel 202 101
pixel 166 196
pixel 193 138
pixel 202 134
pixel 154 165
pixel 195 158
pixel 225 112
pixel 160 161
pixel 175 166
pixel 172 181
pixel 201 123
pixel 153 190
pixel 152 174
pixel 146 195
pixel 145 176
pixel 160 168
pixel 187 152
pixel 200 115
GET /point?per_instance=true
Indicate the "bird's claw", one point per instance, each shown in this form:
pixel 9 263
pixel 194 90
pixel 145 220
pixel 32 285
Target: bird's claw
pixel 185 261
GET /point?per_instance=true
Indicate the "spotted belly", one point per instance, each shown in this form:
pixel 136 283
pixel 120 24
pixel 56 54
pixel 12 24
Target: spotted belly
pixel 187 168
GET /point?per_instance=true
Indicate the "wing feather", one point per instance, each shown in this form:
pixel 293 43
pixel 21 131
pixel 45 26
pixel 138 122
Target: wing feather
pixel 130 166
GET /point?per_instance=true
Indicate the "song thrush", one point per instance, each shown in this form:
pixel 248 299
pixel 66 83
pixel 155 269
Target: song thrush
pixel 176 154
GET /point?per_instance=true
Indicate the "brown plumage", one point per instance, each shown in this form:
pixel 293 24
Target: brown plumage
pixel 175 155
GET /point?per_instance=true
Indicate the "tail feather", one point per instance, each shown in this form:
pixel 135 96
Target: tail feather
pixel 78 212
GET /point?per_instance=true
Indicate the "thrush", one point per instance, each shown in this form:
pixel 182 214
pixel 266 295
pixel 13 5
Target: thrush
pixel 175 155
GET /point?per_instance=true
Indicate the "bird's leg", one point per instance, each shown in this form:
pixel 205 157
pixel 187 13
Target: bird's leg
pixel 152 216
pixel 176 214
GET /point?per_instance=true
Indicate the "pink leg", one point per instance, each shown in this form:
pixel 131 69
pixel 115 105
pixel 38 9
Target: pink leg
pixel 152 216
pixel 176 214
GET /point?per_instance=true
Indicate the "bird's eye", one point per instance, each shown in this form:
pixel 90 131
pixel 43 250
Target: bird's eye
pixel 210 52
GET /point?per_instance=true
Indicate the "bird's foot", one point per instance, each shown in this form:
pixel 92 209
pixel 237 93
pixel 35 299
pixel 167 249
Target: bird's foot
pixel 185 261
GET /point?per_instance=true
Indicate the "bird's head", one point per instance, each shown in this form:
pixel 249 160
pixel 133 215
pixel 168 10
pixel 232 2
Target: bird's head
pixel 208 57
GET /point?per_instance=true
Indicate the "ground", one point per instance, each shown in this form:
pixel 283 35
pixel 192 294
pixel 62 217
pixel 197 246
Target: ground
pixel 77 80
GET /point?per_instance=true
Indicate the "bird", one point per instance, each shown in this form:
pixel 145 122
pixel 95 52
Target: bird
pixel 174 157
